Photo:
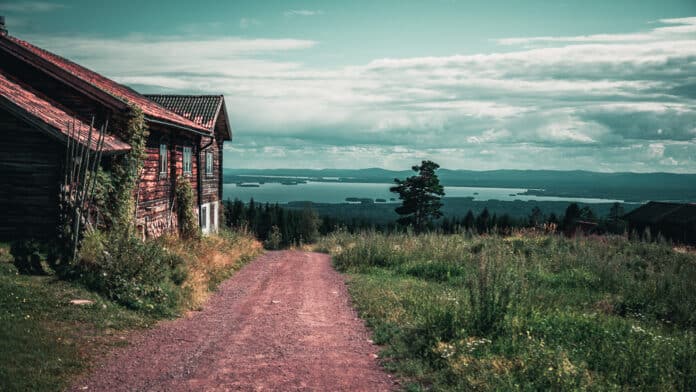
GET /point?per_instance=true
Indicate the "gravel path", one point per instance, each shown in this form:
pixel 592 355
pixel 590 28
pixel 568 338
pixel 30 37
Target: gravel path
pixel 282 323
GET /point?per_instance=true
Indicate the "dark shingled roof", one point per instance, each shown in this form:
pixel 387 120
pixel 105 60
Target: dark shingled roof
pixel 42 109
pixel 662 212
pixel 201 109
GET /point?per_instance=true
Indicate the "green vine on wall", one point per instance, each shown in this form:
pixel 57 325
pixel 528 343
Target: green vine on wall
pixel 188 225
pixel 125 171
pixel 113 203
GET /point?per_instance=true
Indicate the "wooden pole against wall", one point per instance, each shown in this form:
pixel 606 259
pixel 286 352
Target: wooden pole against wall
pixel 95 164
pixel 81 167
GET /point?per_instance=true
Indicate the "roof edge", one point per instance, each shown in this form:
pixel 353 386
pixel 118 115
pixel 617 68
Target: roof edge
pixel 60 74
pixel 223 108
pixel 16 49
pixel 48 128
pixel 171 124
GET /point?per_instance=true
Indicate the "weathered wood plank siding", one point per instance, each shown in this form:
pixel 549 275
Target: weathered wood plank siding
pixel 156 212
pixel 30 169
pixel 210 182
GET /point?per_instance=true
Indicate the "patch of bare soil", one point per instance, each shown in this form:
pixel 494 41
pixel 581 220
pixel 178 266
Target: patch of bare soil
pixel 283 322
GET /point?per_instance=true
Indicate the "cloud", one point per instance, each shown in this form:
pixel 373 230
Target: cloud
pixel 677 26
pixel 601 102
pixel 245 23
pixel 292 13
pixel 166 58
pixel 581 38
pixel 30 6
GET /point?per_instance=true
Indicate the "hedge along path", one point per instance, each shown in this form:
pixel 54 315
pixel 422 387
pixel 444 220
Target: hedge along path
pixel 283 322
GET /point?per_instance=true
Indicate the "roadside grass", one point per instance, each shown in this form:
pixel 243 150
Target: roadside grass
pixel 527 312
pixel 209 261
pixel 45 341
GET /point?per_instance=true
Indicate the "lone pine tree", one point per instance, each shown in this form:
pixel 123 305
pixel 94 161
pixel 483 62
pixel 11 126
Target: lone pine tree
pixel 420 195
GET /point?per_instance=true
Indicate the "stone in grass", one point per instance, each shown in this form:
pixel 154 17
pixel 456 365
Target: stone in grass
pixel 81 301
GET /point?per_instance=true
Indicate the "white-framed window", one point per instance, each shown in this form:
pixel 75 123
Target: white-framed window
pixel 204 218
pixel 209 217
pixel 187 160
pixel 163 159
pixel 215 216
pixel 209 163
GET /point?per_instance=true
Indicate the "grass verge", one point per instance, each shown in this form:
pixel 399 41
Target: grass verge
pixel 525 313
pixel 45 341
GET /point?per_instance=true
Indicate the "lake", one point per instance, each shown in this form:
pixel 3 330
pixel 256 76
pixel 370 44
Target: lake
pixel 337 192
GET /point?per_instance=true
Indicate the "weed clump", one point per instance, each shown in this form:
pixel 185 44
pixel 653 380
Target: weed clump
pixel 138 274
pixel 160 277
pixel 490 294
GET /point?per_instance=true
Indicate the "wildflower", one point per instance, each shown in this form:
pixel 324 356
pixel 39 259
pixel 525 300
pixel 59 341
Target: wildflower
pixel 637 329
pixel 445 350
pixel 472 343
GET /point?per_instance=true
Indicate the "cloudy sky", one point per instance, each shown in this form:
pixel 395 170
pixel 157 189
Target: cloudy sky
pixel 596 85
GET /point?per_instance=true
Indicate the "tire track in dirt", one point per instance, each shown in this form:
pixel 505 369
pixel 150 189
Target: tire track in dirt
pixel 283 322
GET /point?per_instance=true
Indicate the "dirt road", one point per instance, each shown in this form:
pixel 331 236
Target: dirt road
pixel 282 323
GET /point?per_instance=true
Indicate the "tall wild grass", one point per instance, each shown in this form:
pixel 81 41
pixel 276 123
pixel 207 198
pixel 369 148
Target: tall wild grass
pixel 525 312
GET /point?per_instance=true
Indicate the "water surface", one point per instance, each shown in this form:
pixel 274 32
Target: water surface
pixel 337 192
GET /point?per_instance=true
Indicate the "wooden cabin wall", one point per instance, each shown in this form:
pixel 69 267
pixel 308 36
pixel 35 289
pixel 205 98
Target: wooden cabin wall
pixel 210 183
pixel 156 208
pixel 30 174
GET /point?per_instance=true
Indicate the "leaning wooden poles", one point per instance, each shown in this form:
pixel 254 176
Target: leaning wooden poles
pixel 82 158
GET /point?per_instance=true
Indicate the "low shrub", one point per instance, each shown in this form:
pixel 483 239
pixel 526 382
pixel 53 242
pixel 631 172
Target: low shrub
pixel 162 276
pixel 274 240
pixel 27 257
pixel 139 274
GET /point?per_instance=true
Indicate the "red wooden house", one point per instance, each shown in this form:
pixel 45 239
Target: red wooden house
pixel 41 93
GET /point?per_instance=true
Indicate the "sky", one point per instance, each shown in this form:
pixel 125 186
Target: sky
pixel 479 85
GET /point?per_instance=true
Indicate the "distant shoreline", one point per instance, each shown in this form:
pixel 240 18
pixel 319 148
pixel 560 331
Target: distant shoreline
pixel 629 187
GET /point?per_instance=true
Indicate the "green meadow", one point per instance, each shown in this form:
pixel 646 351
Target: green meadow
pixel 527 312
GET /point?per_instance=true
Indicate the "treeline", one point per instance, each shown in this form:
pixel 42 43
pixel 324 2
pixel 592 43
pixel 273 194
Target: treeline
pixel 280 227
pixel 277 227
pixel 575 218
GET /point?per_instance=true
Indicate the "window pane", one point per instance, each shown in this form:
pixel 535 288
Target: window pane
pixel 163 159
pixel 204 216
pixel 209 163
pixel 187 160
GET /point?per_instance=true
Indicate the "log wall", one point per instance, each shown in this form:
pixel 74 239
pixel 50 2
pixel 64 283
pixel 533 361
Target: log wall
pixel 29 180
pixel 156 209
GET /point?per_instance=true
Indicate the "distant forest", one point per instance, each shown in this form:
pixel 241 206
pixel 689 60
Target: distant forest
pixel 279 226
